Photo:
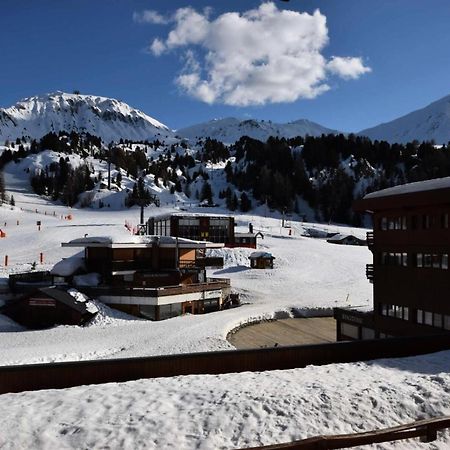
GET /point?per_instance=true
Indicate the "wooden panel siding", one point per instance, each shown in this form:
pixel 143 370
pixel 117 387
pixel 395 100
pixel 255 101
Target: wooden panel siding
pixel 68 374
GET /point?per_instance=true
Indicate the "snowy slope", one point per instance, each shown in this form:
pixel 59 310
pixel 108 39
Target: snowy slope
pixel 230 130
pixel 105 117
pixel 431 122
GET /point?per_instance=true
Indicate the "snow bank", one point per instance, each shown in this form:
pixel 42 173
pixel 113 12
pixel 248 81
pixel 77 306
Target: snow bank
pixel 234 410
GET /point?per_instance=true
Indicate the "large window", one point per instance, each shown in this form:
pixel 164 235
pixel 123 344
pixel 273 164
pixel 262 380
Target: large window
pixel 397 311
pixel 168 311
pixel 393 223
pixel 351 331
pixel 433 319
pixel 432 260
pixel 394 259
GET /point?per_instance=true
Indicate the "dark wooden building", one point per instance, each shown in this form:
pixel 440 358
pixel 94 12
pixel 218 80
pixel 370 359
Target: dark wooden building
pixel 261 260
pixel 47 307
pixel 410 272
pixel 153 277
pixel 217 229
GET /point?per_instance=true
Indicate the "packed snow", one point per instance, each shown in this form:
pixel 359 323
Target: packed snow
pixel 234 410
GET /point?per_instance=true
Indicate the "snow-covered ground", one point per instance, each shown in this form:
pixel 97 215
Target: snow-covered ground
pixel 233 410
pixel 226 411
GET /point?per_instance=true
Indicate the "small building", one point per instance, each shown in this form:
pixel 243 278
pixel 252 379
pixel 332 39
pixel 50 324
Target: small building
pixel 49 306
pixel 261 260
pixel 346 239
pixel 410 271
pixel 217 229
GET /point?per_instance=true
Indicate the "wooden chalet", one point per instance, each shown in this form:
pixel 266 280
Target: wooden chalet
pixel 49 306
pixel 346 239
pixel 261 260
pixel 152 276
pixel 410 272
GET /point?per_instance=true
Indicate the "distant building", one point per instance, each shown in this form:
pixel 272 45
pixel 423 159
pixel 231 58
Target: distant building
pixel 154 277
pixel 49 306
pixel 410 272
pixel 261 260
pixel 218 229
pixel 346 239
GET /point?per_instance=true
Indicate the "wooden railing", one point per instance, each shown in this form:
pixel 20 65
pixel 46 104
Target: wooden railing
pixel 426 430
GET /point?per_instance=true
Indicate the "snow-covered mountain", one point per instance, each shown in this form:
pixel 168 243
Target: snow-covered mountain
pixel 105 117
pixel 230 130
pixel 431 122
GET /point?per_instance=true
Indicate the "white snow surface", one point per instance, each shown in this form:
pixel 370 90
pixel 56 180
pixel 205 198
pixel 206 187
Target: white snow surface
pixel 419 186
pixel 425 124
pixel 230 129
pixel 234 410
pixel 107 118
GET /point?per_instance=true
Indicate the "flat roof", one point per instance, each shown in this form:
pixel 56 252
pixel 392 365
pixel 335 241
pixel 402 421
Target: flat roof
pixel 407 196
pixel 139 242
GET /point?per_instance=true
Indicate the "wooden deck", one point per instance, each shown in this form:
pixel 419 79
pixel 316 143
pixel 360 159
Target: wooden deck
pixel 314 330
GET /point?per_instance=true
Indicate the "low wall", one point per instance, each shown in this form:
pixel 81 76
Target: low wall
pixel 68 374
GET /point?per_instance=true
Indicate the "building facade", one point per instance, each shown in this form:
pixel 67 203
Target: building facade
pixel 153 277
pixel 217 229
pixel 410 272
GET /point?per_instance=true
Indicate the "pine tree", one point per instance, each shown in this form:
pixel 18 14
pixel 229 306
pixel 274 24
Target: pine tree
pixel 245 203
pixel 12 202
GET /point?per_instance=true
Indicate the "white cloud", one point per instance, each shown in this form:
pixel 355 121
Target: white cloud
pixel 263 55
pixel 150 16
pixel 347 67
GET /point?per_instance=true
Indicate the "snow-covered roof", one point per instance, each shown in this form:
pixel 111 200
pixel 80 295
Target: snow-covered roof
pixel 139 241
pixel 419 186
pixel 339 237
pixel 261 254
pixel 68 266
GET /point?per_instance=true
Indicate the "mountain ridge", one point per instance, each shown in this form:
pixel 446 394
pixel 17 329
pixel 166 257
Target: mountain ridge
pixel 431 122
pixel 105 117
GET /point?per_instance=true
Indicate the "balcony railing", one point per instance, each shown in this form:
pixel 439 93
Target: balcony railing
pixel 369 238
pixel 369 272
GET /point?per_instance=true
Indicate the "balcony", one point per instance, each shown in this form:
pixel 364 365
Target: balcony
pixel 369 239
pixel 369 272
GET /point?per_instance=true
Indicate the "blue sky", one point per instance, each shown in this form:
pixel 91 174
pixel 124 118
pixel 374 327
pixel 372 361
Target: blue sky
pixel 98 48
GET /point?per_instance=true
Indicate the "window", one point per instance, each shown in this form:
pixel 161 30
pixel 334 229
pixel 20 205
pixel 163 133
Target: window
pixel 148 311
pixel 419 318
pixel 447 322
pixel 444 220
pixel 399 312
pixel 414 222
pixel 367 333
pixel 435 260
pixel 168 311
pixel 425 221
pixel 433 319
pixel 394 259
pixel 351 331
pixel 383 223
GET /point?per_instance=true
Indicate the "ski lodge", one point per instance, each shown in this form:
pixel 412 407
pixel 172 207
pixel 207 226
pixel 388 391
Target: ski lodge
pixel 151 276
pixel 218 229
